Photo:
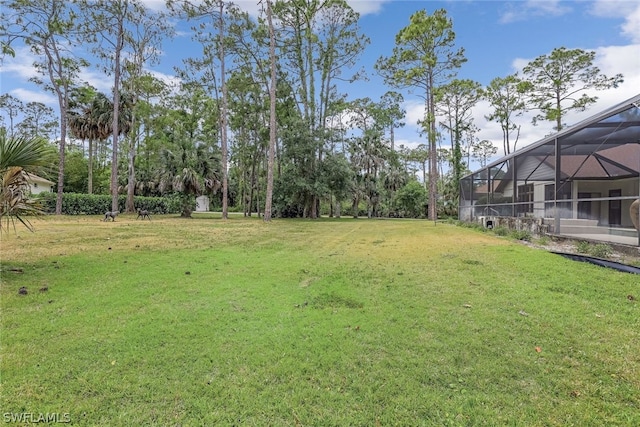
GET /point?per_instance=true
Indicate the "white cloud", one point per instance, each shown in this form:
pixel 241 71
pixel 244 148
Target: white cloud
pixel 521 11
pixel 366 7
pixel 415 111
pixel 519 63
pixel 98 79
pixel 631 27
pixel 547 7
pixel 253 8
pixel 408 143
pixel 250 6
pixel 26 95
pixel 169 79
pixel 155 4
pixel 21 65
pixel 629 10
pixel 620 59
pixel 612 8
pixel 363 7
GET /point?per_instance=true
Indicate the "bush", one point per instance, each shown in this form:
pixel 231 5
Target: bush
pixel 601 250
pixel 521 235
pixel 544 240
pixel 582 247
pixel 98 204
pixel 412 199
pixel 472 225
pixel 501 231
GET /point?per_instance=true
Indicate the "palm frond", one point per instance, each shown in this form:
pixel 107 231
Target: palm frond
pixel 22 151
pixel 15 203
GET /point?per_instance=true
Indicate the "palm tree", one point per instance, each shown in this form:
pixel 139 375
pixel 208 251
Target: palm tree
pixel 18 155
pixel 394 177
pixel 368 156
pixel 92 124
pixel 189 169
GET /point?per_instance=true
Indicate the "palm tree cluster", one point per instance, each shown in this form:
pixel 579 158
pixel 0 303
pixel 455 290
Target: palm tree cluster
pixel 92 124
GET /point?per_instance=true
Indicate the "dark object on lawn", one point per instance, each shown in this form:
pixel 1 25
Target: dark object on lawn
pixel 143 213
pixel 111 215
pixel 22 291
pixel 44 289
pixel 601 262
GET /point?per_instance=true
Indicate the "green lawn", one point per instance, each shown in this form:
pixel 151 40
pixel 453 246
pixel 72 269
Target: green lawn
pixel 310 323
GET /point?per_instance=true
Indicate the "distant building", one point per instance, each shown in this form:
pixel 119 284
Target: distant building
pixel 38 184
pixel 202 204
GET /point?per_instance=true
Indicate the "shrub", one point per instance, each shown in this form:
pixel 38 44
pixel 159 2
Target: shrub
pixel 544 240
pixel 582 247
pixel 98 204
pixel 412 199
pixel 521 235
pixel 501 231
pixel 472 225
pixel 601 250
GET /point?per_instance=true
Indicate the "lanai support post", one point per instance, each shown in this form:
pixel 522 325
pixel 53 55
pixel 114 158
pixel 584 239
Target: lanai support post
pixel 514 184
pixel 473 200
pixel 556 213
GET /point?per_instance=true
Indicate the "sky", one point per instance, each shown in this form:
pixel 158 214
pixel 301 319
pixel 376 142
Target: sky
pixel 499 38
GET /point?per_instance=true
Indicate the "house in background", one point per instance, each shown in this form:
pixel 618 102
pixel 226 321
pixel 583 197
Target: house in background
pixel 38 184
pixel 578 183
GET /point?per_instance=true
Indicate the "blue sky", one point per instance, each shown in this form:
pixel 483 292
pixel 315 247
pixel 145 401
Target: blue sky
pixel 499 38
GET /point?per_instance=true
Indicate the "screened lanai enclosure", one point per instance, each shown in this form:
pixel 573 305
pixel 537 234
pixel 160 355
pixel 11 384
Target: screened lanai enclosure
pixel 582 182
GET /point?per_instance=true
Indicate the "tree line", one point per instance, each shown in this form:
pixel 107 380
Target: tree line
pixel 257 120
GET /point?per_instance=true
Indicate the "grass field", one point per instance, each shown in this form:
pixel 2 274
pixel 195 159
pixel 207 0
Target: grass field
pixel 309 323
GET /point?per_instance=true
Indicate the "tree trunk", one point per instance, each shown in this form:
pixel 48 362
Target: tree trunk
pixel 272 118
pixel 61 155
pixel 116 108
pixel 131 179
pixel 392 137
pixel 354 206
pixel 330 205
pixel 223 121
pixel 131 169
pixel 252 181
pixel 244 196
pixel 90 173
pixel 433 154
